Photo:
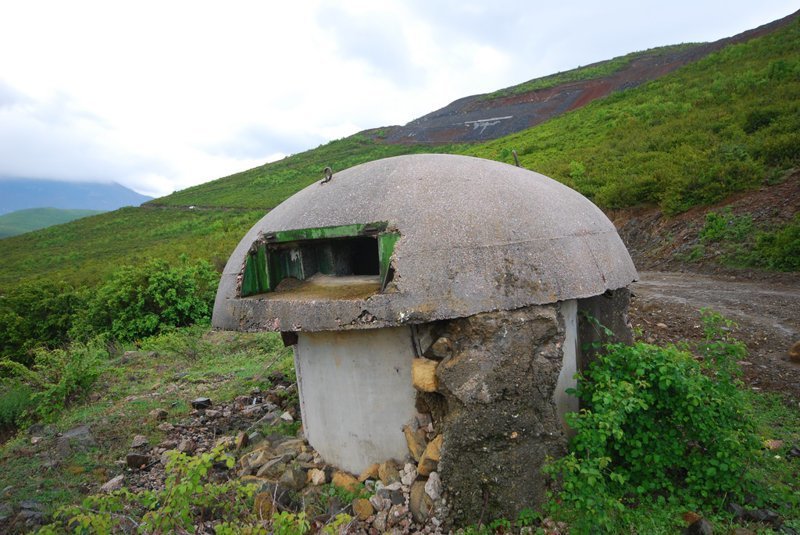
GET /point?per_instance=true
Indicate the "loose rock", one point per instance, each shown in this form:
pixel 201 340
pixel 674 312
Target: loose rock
pixel 201 403
pixel 419 502
pixel 139 441
pixel 416 441
pixel 113 484
pixel 388 473
pixel 362 508
pixel 137 460
pixel 345 481
pixel 433 487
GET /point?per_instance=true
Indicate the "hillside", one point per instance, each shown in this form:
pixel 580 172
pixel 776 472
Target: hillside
pixel 19 194
pixel 727 123
pixel 23 221
pixel 516 108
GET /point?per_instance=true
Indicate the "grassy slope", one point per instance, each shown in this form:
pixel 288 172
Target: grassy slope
pixel 268 185
pixel 681 140
pixel 589 72
pixel 676 142
pixel 88 249
pixel 30 219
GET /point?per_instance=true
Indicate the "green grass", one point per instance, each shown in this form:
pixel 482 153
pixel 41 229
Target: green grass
pixel 687 139
pixel 267 186
pixel 195 360
pixel 725 124
pixel 23 221
pixel 88 250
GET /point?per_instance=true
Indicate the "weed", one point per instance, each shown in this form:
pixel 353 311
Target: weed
pixel 658 427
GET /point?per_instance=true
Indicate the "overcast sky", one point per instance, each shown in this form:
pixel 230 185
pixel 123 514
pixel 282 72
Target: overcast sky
pixel 162 95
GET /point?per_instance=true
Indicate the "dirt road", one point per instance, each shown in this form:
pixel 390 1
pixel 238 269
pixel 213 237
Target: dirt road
pixel 666 309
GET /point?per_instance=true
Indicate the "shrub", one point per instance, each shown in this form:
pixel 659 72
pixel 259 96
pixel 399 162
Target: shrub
pixel 780 249
pixel 15 403
pixel 35 314
pixel 136 302
pixel 657 425
pixel 57 376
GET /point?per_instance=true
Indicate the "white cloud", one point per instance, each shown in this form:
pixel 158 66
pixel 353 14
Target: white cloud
pixel 162 95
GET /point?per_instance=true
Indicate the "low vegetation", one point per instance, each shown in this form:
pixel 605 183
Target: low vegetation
pixel 589 72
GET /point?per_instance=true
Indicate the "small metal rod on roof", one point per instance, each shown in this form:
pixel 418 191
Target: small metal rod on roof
pixel 328 175
pixel 516 158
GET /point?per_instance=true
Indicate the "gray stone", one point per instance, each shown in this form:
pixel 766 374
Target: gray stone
pixel 139 441
pixel 136 460
pixel 433 487
pixel 293 478
pixel 700 527
pixel 76 439
pixel 113 484
pixel 201 403
pixel 187 445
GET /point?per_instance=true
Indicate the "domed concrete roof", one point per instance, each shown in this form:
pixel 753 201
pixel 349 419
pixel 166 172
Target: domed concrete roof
pixel 474 236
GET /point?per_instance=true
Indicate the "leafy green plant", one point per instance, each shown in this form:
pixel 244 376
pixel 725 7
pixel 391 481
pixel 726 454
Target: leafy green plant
pixel 725 226
pixel 58 376
pixel 16 400
pixel 136 302
pixel 780 249
pixel 286 523
pixel 186 499
pixel 657 426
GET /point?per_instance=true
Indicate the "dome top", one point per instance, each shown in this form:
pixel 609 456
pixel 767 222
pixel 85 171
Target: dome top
pixel 412 239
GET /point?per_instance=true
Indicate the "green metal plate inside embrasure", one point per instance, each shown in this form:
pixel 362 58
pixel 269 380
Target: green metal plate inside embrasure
pixel 265 269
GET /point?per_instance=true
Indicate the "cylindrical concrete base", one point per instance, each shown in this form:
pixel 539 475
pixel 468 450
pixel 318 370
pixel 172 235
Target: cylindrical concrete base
pixel 356 394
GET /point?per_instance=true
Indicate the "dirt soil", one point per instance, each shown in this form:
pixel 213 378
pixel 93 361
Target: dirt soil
pixel 666 307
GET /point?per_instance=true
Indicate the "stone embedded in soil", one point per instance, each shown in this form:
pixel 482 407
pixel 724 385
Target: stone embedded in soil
pixel 362 508
pixel 201 403
pixel 286 417
pixel 136 460
pixel 442 347
pixel 415 439
pixel 187 445
pixel 139 441
pixel 700 527
pixel 113 484
pixel 242 440
pixel 345 481
pixel 388 473
pixel 293 478
pixel 158 414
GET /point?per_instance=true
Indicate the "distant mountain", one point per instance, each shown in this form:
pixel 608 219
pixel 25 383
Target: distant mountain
pixel 23 221
pixel 19 194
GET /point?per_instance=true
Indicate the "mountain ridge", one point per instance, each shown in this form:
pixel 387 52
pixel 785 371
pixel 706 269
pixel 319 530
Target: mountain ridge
pixel 22 193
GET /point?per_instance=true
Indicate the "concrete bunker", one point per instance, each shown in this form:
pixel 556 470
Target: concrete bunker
pixel 435 301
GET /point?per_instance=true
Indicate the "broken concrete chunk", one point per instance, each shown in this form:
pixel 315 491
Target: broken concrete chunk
pixel 416 441
pixel 423 375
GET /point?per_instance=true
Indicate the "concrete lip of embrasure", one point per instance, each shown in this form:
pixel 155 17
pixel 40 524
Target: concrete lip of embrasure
pixel 473 270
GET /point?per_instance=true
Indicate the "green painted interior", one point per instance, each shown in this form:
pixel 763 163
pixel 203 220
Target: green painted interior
pixel 256 277
pixel 386 242
pixel 359 249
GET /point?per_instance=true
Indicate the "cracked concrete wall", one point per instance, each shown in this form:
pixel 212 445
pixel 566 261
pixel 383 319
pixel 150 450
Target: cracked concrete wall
pixel 495 405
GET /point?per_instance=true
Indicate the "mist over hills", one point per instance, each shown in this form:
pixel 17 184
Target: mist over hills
pixel 19 194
